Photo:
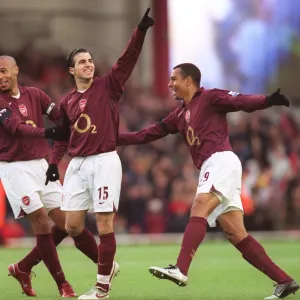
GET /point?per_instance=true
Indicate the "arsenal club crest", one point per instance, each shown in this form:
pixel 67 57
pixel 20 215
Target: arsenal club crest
pixel 26 200
pixel 187 116
pixel 82 104
pixel 23 110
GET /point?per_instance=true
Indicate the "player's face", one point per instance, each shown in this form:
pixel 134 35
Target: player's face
pixel 178 84
pixel 84 67
pixel 8 75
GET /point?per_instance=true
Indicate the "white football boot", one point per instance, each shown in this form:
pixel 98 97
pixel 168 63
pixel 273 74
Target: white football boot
pixel 171 273
pixel 99 293
pixel 284 290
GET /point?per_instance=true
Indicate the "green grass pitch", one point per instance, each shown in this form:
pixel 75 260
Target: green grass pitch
pixel 217 272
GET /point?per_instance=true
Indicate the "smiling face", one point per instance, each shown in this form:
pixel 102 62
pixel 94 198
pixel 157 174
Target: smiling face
pixel 8 74
pixel 179 85
pixel 84 67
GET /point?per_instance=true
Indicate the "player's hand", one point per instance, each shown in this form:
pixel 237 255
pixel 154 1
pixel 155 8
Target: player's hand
pixel 146 21
pixel 278 99
pixel 5 113
pixel 57 133
pixel 52 173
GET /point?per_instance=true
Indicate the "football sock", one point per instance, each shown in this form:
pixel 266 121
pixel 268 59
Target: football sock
pixel 193 236
pixel 33 257
pixel 255 254
pixel 86 243
pixel 106 254
pixel 49 256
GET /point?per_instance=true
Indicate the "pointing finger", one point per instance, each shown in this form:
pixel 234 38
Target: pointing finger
pixel 147 12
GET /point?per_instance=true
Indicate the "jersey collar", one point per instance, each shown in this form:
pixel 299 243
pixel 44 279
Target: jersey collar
pixel 198 93
pixel 6 95
pixel 74 90
pixel 22 89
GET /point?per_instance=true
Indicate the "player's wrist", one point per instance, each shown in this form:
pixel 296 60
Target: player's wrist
pixel 53 166
pixel 268 100
pixel 142 28
pixel 53 160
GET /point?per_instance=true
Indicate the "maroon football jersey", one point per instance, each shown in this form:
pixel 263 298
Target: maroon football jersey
pixel 19 141
pixel 202 122
pixel 93 116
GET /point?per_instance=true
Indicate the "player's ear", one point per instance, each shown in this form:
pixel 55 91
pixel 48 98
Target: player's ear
pixel 189 80
pixel 16 70
pixel 71 70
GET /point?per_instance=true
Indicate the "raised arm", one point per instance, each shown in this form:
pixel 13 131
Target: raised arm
pixel 227 101
pixel 150 134
pixel 122 70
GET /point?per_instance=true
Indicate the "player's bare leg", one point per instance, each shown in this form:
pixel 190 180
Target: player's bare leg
pixel 233 225
pixel 41 225
pixel 59 218
pixel 194 234
pixel 107 267
pixel 85 242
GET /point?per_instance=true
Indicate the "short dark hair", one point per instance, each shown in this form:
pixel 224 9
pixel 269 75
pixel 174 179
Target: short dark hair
pixel 70 58
pixel 188 69
pixel 71 62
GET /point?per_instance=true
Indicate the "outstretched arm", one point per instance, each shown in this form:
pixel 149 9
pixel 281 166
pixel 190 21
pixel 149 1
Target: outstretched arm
pixel 226 101
pixel 122 70
pixel 147 135
pixel 150 134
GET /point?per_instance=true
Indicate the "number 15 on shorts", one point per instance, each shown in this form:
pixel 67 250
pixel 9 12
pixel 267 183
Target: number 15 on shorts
pixel 103 194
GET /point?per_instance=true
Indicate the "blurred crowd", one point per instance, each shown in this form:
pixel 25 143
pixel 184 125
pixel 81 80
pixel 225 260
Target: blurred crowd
pixel 255 22
pixel 246 45
pixel 160 180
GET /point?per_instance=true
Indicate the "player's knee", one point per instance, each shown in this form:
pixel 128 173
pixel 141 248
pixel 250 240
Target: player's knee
pixel 58 217
pixel 40 222
pixel 41 225
pixel 203 205
pixel 236 237
pixel 73 229
pixel 61 225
